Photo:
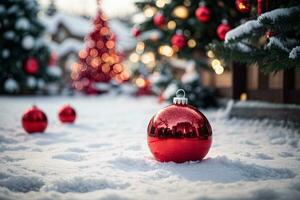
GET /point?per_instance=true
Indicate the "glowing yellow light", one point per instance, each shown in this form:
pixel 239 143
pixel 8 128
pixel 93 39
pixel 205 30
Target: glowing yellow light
pixel 215 63
pixel 150 11
pixel 140 47
pixel 95 62
pixel 148 57
pixel 210 54
pixel 105 68
pixel 166 50
pixel 181 12
pixel 171 25
pixel 140 82
pixel 192 43
pixel 244 96
pixel 219 69
pixel 160 3
pixel 242 6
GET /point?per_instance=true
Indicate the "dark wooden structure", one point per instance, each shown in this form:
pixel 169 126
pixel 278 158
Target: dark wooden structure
pixel 241 82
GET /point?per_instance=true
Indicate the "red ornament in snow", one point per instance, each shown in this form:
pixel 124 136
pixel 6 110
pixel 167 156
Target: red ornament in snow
pixel 179 133
pixel 67 114
pixel 31 66
pixel 34 120
pixel 203 14
pixel 136 32
pixel 243 6
pixel 222 30
pixel 178 40
pixel 159 20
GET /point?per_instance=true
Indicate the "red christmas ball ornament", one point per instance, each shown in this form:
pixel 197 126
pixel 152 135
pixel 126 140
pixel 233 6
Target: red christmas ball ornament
pixel 243 6
pixel 31 66
pixel 34 120
pixel 222 30
pixel 67 114
pixel 159 20
pixel 203 14
pixel 179 133
pixel 136 32
pixel 178 40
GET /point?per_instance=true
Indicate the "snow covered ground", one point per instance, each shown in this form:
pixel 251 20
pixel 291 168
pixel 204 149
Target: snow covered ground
pixel 104 155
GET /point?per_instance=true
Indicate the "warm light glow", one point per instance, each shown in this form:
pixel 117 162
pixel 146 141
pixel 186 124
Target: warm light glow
pixel 243 96
pixel 140 82
pixel 117 68
pixel 215 63
pixel 150 11
pixel 105 68
pixel 219 69
pixel 82 54
pixel 166 50
pixel 210 54
pixel 171 25
pixel 181 12
pixel 93 52
pixel 134 57
pixel 104 57
pixel 140 47
pixel 160 3
pixel 110 44
pixel 95 62
pixel 191 43
pixel 148 57
pixel 242 6
pixel 104 31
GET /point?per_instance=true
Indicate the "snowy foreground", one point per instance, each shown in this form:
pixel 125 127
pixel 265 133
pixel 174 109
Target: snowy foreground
pixel 104 155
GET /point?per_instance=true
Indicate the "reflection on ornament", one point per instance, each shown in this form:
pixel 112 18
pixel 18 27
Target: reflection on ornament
pixel 179 133
pixel 181 12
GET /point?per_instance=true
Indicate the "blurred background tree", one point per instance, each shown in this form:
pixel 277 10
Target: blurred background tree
pixel 26 63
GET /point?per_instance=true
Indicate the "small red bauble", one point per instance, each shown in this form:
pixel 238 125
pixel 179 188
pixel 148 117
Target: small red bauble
pixel 243 6
pixel 203 14
pixel 159 20
pixel 222 30
pixel 179 133
pixel 31 66
pixel 136 32
pixel 67 114
pixel 34 120
pixel 178 40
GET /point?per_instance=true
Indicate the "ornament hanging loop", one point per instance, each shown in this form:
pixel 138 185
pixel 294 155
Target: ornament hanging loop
pixel 180 97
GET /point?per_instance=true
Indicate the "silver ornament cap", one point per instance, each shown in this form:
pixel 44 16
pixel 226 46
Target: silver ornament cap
pixel 180 98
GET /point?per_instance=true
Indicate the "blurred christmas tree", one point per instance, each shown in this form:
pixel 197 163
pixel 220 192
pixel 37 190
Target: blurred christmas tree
pixel 184 29
pixel 272 40
pixel 24 57
pixel 99 61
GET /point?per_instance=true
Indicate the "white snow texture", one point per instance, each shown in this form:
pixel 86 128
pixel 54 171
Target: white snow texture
pixel 104 155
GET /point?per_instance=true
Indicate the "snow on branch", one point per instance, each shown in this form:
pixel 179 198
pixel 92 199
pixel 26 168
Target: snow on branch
pixel 294 54
pixel 242 29
pixel 275 14
pixel 274 41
